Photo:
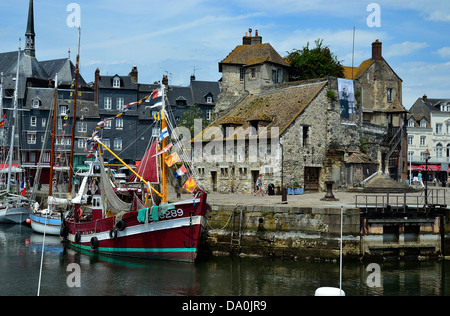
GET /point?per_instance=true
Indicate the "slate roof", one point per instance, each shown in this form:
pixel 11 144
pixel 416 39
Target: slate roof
pixel 249 55
pixel 65 70
pixel 276 108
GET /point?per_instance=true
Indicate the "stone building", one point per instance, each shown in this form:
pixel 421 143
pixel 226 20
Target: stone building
pixel 379 90
pixel 248 68
pixel 293 132
pixel 288 133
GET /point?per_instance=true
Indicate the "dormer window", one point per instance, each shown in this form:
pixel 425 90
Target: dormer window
pixel 35 104
pixel 209 99
pixel 411 122
pixel 423 123
pixel 116 82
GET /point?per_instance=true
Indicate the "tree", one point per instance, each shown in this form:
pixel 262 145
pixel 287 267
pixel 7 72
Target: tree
pixel 190 115
pixel 314 63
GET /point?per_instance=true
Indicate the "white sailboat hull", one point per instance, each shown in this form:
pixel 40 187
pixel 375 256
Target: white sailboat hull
pixel 14 215
pixel 49 225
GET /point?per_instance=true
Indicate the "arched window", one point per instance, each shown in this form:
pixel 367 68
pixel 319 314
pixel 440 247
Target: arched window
pixel 439 150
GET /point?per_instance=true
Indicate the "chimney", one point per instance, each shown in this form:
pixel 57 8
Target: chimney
pixel 97 79
pixel 134 75
pixel 376 50
pixel 165 81
pixel 425 98
pixel 256 40
pixel 251 40
pixel 247 40
pixel 192 77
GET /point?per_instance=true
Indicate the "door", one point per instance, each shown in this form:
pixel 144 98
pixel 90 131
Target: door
pixel 255 174
pixel 312 179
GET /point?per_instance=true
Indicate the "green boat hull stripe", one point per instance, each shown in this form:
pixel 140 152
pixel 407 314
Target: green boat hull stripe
pixel 140 250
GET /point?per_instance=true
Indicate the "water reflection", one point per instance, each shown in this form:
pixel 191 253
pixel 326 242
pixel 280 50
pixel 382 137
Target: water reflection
pixel 20 253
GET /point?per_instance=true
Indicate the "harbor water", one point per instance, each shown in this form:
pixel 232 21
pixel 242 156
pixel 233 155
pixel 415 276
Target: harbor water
pixel 66 272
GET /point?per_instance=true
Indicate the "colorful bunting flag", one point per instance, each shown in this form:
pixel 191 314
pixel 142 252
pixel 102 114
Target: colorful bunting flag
pixel 165 149
pixel 156 93
pixel 180 172
pixel 172 159
pixel 190 185
pixel 164 134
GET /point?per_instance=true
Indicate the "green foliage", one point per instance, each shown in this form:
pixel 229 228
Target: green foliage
pixel 331 95
pixel 314 63
pixel 187 119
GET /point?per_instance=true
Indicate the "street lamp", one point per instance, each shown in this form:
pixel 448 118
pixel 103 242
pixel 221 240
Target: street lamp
pixel 427 157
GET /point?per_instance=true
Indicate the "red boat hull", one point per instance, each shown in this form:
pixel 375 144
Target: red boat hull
pixel 175 236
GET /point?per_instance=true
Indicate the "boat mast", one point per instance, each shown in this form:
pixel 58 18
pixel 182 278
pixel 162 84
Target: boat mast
pixel 52 155
pixel 164 168
pixel 13 131
pixel 77 71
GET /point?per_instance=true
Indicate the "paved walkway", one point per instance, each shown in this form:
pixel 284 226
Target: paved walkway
pixel 313 200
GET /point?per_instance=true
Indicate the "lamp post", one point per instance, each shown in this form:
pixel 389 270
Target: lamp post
pixel 427 157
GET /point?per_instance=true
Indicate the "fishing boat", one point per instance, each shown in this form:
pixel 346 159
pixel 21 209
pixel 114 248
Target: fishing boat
pixel 148 227
pixel 14 208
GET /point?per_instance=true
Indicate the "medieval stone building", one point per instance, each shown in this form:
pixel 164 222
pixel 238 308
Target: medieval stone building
pixel 293 132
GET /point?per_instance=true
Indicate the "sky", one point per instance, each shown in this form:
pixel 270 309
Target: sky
pixel 179 38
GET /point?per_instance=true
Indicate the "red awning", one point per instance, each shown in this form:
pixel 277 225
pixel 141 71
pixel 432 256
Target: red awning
pixel 432 168
pixel 416 168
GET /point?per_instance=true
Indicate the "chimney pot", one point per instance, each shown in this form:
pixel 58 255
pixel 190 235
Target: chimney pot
pixel 425 98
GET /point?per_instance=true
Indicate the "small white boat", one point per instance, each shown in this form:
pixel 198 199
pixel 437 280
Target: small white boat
pixel 14 214
pixel 45 222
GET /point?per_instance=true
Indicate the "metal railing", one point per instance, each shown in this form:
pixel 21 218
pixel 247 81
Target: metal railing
pixel 387 201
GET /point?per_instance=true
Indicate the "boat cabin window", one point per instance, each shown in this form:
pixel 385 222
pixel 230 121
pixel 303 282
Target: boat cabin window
pixel 96 202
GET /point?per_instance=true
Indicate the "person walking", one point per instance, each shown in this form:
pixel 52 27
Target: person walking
pixel 259 186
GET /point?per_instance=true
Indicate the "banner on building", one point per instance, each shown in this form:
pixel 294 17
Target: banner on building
pixel 347 101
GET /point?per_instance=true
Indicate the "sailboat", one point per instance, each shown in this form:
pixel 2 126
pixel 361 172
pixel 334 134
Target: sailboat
pixel 168 231
pixel 14 208
pixel 49 220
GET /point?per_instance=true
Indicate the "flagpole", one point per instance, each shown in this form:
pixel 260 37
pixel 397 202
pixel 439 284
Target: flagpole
pixel 164 168
pixel 72 143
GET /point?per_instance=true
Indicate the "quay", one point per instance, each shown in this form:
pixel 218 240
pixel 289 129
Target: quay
pixel 374 225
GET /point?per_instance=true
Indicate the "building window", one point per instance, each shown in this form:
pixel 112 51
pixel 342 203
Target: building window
pixel 107 142
pixel 35 104
pixel 390 94
pixel 155 131
pixel 120 102
pixel 44 122
pixel 410 140
pixel 438 128
pixel 209 99
pixel 119 123
pixel 82 127
pixel 107 125
pixel 423 123
pixel 31 138
pixel 33 121
pixel 63 110
pixel 82 143
pixel 305 135
pixel 118 143
pixel 242 74
pixel 439 150
pixel 411 122
pixel 116 82
pixel 208 115
pixel 410 155
pixel 423 140
pixel 108 103
pixel 253 73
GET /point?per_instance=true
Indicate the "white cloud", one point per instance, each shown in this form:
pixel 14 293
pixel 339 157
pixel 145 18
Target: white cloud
pixel 404 48
pixel 444 52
